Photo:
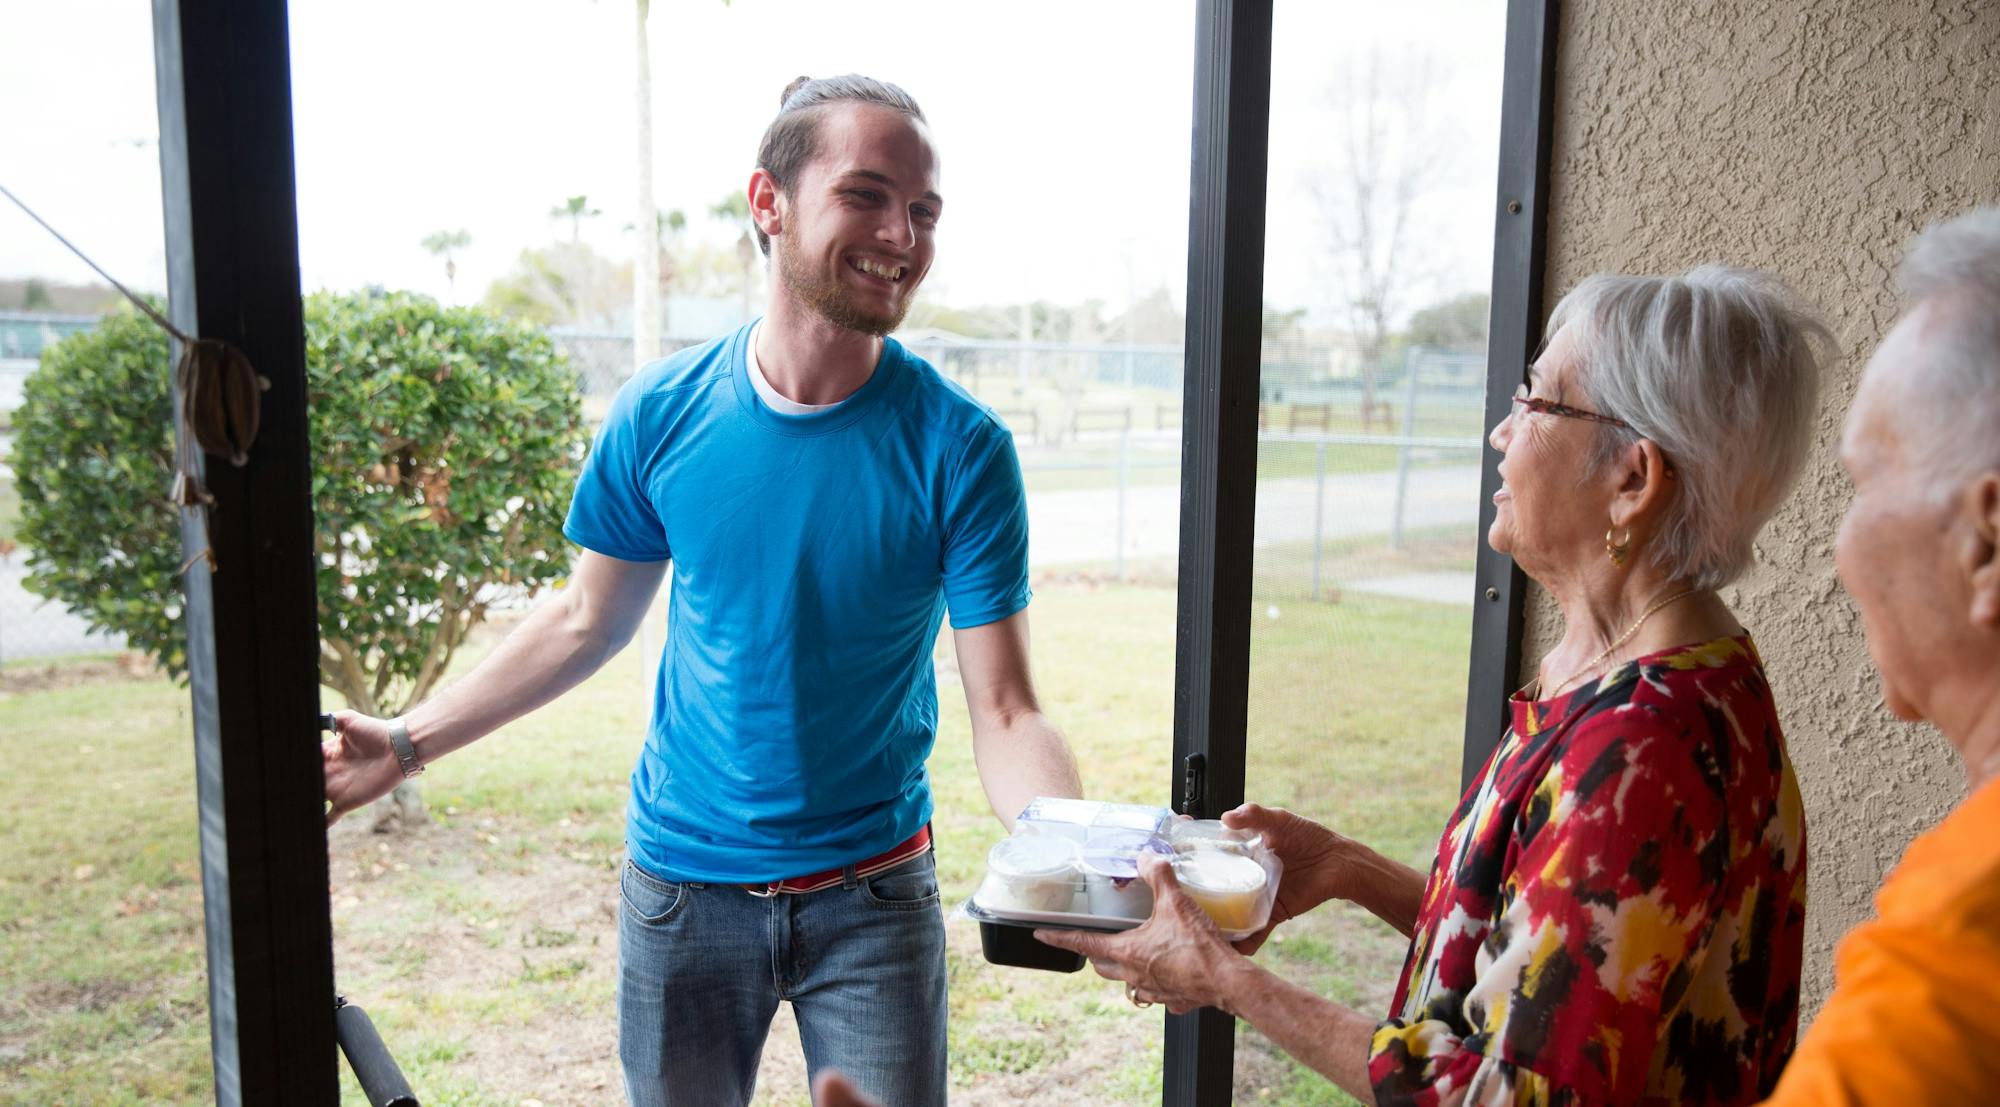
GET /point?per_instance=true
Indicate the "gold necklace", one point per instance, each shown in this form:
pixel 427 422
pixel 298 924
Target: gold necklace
pixel 1607 651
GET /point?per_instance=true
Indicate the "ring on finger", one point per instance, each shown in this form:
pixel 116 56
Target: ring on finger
pixel 1132 994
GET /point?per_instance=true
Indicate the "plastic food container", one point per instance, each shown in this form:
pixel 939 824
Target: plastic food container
pixel 1193 835
pixel 1233 888
pixel 1010 944
pixel 1075 864
pixel 1111 882
pixel 1031 874
pixel 1083 821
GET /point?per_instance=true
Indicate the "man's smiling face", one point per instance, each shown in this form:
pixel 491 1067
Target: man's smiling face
pixel 859 223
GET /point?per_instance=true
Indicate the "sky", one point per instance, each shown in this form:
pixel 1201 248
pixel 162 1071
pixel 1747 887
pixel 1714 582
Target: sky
pixel 1063 129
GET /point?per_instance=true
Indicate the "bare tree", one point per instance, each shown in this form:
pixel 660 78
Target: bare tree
pixel 1386 153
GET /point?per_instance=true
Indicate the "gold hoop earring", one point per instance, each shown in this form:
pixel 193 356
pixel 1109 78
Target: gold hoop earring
pixel 1617 550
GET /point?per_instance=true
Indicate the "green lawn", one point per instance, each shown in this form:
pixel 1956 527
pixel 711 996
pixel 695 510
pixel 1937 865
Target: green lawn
pixel 484 945
pixel 100 900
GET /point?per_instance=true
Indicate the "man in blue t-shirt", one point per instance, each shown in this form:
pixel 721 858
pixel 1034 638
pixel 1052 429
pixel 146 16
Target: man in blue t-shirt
pixel 823 498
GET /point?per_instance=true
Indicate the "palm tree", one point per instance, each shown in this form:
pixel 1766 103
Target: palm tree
pixel 732 208
pixel 646 264
pixel 444 244
pixel 672 223
pixel 735 209
pixel 576 209
pixel 668 226
pixel 646 323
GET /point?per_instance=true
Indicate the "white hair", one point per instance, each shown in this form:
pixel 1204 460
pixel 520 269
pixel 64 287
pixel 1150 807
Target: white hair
pixel 1953 270
pixel 1720 367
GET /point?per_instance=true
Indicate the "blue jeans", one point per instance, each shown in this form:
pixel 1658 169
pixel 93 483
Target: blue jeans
pixel 701 968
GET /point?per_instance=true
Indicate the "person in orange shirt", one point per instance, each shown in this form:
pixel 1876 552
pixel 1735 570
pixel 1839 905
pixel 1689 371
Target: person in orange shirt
pixel 1914 1017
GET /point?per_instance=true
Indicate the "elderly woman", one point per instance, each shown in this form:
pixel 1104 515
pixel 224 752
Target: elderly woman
pixel 1911 1018
pixel 1617 907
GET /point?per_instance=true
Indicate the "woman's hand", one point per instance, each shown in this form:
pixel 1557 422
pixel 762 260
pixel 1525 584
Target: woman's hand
pixel 1176 957
pixel 830 1089
pixel 361 765
pixel 1316 860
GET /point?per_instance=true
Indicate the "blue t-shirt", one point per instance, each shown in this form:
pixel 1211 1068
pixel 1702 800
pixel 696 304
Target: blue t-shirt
pixel 813 557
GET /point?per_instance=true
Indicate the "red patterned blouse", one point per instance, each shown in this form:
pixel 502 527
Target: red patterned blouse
pixel 1617 909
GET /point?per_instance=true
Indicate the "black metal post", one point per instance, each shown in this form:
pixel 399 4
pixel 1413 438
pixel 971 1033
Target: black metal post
pixel 1520 234
pixel 233 274
pixel 1232 102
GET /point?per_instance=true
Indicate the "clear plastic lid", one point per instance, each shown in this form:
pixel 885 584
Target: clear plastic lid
pixel 1074 812
pixel 1116 853
pixel 1220 873
pixel 1130 816
pixel 1083 819
pixel 1210 834
pixel 1031 856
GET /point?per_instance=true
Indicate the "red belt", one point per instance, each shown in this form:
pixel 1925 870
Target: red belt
pixel 916 845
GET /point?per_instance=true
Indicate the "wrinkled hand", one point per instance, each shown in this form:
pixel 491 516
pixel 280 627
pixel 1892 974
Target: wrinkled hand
pixel 1176 957
pixel 1312 856
pixel 361 765
pixel 830 1089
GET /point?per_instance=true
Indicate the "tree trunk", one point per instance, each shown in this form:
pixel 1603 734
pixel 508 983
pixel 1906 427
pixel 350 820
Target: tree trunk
pixel 1371 354
pixel 1373 342
pixel 646 264
pixel 399 812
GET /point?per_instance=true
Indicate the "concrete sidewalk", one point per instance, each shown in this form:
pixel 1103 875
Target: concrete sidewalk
pixel 1064 528
pixel 32 628
pixel 1067 528
pixel 1453 589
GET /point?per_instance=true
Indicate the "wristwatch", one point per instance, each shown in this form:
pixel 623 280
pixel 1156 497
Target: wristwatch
pixel 406 754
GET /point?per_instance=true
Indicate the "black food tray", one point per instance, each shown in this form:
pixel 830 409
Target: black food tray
pixel 1011 942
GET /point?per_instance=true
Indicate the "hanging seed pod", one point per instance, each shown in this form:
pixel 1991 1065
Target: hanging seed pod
pixel 222 398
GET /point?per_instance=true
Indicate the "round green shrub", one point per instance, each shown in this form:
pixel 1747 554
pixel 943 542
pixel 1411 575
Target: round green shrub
pixel 444 442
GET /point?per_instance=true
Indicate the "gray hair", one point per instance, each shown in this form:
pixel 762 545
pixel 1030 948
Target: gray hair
pixel 1720 367
pixel 1953 268
pixel 791 142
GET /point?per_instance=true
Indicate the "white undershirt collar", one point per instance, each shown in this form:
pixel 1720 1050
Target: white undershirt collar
pixel 772 398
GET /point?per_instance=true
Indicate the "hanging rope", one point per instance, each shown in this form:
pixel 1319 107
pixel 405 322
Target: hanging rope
pixel 221 397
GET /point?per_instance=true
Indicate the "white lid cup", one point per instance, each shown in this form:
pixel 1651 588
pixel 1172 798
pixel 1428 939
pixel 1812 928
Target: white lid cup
pixel 1228 886
pixel 1030 873
pixel 1111 874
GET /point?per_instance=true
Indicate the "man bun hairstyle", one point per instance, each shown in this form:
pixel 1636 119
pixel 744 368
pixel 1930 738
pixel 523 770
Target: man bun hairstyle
pixel 792 140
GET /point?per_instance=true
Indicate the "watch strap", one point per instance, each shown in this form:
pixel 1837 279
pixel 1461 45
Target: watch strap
pixel 406 752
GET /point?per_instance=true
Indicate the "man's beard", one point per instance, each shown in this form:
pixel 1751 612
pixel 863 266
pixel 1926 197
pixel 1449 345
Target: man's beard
pixel 831 301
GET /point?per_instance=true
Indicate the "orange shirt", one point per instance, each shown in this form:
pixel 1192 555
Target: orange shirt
pixel 1915 1013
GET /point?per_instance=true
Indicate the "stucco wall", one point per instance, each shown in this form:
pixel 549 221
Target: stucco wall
pixel 1813 138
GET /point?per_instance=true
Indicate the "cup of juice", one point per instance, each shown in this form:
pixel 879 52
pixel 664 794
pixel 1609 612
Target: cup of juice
pixel 1230 887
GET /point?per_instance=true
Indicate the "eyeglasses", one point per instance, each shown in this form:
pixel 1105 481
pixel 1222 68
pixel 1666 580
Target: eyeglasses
pixel 1550 407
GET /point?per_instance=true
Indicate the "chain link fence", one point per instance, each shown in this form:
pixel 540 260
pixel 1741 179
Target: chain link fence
pixel 1097 425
